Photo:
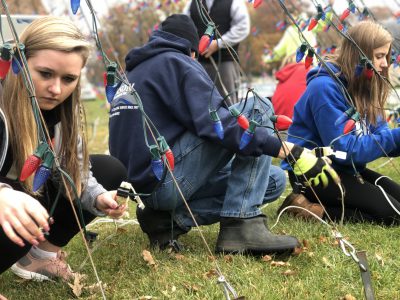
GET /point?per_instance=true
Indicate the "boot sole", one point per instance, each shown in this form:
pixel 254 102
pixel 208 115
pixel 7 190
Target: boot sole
pixel 254 251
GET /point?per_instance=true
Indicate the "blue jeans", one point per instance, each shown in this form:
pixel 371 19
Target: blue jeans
pixel 216 182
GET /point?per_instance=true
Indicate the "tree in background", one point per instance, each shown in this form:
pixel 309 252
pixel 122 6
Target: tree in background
pixel 129 25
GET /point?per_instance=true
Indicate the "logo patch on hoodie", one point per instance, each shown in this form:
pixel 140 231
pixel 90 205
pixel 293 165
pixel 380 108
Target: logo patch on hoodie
pixel 124 99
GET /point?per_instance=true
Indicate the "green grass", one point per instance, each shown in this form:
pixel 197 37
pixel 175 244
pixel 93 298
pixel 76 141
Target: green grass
pixel 320 272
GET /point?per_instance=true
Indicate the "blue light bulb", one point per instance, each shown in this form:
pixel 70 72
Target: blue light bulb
pixel 15 65
pixel 345 116
pixel 245 140
pixel 300 52
pixel 110 92
pixel 158 168
pixel 41 176
pixel 219 130
pixel 75 5
pixel 359 69
pixel 248 135
pixel 299 55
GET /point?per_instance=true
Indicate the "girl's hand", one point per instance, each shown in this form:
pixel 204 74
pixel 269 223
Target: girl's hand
pixel 107 204
pixel 22 217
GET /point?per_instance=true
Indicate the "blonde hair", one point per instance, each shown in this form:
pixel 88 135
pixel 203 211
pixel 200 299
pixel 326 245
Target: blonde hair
pixel 47 33
pixel 369 95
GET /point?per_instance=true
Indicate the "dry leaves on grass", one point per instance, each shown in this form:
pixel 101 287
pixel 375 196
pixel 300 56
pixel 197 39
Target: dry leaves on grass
pixel 179 256
pixel 191 287
pixel 77 286
pixel 280 264
pixel 94 288
pixel 289 272
pixel 210 274
pixel 323 239
pixel 228 258
pixel 211 258
pixel 266 258
pixel 149 259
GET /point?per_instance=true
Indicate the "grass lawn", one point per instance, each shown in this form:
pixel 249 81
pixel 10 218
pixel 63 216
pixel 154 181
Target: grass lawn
pixel 321 271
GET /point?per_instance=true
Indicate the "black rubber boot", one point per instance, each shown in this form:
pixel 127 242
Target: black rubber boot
pixel 159 227
pixel 251 236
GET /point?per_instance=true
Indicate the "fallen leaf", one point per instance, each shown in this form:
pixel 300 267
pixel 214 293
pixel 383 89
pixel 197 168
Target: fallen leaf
pixel 310 254
pixel 266 258
pixel 179 256
pixel 288 272
pixel 145 298
pixel 95 287
pixel 211 257
pixel 306 244
pixel 211 273
pixel 297 251
pixel 322 239
pixel 149 258
pixel 77 285
pixel 191 287
pixel 280 264
pixel 228 258
pixel 349 297
pixel 173 289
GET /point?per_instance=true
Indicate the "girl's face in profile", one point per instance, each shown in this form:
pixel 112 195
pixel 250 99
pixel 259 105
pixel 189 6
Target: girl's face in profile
pixel 379 57
pixel 55 75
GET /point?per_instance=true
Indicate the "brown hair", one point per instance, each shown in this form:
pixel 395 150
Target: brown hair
pixel 369 95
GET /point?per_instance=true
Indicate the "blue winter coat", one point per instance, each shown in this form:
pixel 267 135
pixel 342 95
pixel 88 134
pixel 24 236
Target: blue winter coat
pixel 314 120
pixel 175 91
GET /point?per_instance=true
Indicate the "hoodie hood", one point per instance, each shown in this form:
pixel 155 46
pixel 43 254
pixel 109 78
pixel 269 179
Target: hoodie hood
pixel 320 71
pixel 159 42
pixel 287 71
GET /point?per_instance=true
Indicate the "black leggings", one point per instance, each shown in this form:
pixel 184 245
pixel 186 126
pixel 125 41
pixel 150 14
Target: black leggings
pixel 106 169
pixel 362 202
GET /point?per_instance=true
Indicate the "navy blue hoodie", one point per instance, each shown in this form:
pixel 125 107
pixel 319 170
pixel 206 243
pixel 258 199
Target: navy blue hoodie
pixel 314 119
pixel 175 91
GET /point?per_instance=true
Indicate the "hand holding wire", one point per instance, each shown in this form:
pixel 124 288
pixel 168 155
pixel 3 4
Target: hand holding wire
pixel 107 203
pixel 315 169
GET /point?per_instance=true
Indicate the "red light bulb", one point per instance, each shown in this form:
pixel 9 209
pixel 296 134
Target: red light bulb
pixel 257 3
pixel 30 166
pixel 312 24
pixel 5 60
pixel 283 122
pixel 204 42
pixel 345 14
pixel 170 158
pixel 105 78
pixel 243 122
pixel 349 126
pixel 309 59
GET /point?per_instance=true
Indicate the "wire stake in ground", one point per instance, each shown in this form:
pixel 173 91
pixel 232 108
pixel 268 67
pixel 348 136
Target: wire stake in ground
pixel 228 289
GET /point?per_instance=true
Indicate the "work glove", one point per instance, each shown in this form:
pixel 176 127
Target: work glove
pixel 315 169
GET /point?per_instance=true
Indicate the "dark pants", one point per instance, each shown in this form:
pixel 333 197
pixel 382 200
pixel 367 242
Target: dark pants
pixel 106 169
pixel 363 202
